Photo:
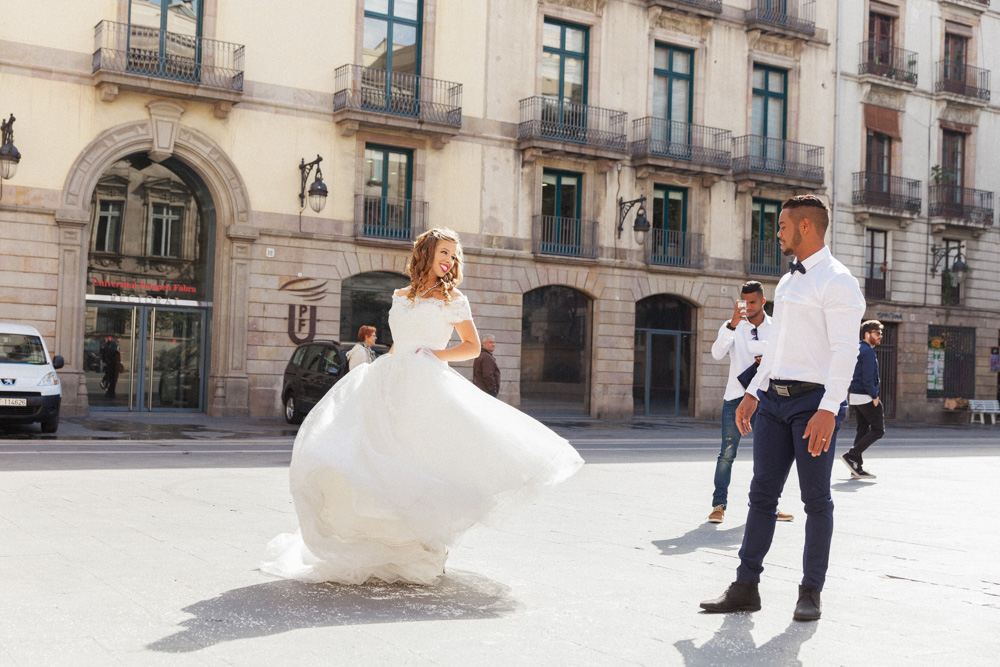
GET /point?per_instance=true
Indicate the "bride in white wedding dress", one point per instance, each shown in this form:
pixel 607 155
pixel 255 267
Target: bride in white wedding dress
pixel 404 454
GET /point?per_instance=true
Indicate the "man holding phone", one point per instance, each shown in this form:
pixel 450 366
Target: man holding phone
pixel 743 337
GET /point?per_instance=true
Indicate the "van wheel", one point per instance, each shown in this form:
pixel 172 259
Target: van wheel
pixel 292 415
pixel 50 426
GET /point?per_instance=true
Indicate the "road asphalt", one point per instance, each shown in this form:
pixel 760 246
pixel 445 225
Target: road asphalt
pixel 135 540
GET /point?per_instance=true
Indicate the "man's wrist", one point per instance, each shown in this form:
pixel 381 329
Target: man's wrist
pixel 729 325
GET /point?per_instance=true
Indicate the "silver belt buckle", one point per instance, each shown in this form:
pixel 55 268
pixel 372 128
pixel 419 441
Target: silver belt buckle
pixel 781 389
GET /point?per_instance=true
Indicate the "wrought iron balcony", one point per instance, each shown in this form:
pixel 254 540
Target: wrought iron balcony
pixel 887 62
pixel 567 237
pixel 968 207
pixel 698 7
pixel 964 80
pixel 777 159
pixel 877 283
pixel 893 193
pixel 786 16
pixel 573 124
pixel 388 218
pixel 150 52
pixel 397 94
pixel 763 257
pixel 667 247
pixel 672 140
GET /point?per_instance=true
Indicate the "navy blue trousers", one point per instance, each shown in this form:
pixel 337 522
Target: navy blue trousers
pixel 778 426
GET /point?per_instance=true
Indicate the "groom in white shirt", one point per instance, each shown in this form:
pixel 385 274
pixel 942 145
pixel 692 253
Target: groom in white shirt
pixel 801 387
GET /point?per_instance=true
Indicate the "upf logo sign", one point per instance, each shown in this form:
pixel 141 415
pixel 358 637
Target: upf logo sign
pixel 302 317
pixel 8 382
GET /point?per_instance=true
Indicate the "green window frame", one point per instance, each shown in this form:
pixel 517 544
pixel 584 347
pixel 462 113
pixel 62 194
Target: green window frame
pixel 673 74
pixel 386 214
pixel 172 52
pixel 765 251
pixel 401 19
pixel 562 228
pixel 770 88
pixel 669 225
pixel 565 45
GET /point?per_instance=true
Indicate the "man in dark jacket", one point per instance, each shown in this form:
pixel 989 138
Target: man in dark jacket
pixel 485 372
pixel 863 397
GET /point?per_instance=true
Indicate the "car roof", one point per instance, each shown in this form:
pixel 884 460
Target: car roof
pixel 6 327
pixel 320 342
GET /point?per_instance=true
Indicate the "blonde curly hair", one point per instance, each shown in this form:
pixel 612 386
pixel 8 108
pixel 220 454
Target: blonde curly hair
pixel 422 260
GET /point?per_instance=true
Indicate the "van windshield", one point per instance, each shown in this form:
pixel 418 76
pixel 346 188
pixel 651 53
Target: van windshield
pixel 21 349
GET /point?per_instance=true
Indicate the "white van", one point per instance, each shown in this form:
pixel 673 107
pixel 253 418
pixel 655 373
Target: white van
pixel 30 390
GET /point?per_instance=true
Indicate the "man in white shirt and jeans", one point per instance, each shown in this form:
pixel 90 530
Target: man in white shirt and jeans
pixel 743 338
pixel 800 397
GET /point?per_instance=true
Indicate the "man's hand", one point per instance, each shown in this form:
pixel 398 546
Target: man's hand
pixel 744 411
pixel 819 430
pixel 875 402
pixel 738 314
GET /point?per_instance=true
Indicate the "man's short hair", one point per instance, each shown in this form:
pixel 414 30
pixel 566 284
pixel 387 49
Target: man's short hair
pixel 489 337
pixel 870 325
pixel 809 206
pixel 752 287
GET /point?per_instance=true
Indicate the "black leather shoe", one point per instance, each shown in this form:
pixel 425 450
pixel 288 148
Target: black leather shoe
pixel 809 608
pixel 740 596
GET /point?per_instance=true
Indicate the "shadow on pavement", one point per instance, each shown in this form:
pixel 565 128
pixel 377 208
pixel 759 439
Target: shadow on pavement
pixel 734 645
pixel 280 606
pixel 850 486
pixel 705 536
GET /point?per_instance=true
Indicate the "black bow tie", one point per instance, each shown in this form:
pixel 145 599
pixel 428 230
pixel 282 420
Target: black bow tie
pixel 794 266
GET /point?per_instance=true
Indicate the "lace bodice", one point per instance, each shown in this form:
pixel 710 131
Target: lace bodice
pixel 425 322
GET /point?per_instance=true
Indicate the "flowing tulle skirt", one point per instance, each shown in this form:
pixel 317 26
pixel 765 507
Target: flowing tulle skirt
pixel 396 461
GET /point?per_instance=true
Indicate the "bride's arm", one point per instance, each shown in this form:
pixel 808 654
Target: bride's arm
pixel 469 348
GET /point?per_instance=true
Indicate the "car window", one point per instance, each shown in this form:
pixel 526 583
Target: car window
pixel 21 349
pixel 331 359
pixel 299 353
pixel 312 358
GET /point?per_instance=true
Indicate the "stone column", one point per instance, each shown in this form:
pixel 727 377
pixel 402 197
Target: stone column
pixel 613 353
pixel 71 308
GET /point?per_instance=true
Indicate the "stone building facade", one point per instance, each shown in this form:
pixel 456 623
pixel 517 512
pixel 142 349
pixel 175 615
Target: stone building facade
pixel 522 124
pixel 916 189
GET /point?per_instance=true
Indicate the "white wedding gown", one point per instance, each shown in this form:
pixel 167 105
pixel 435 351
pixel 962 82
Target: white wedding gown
pixel 403 455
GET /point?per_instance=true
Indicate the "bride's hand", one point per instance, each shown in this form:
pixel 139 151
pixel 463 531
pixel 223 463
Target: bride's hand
pixel 424 349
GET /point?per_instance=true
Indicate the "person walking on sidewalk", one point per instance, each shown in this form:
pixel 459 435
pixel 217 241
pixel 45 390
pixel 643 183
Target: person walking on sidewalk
pixel 485 372
pixel 863 397
pixel 801 391
pixel 743 337
pixel 362 353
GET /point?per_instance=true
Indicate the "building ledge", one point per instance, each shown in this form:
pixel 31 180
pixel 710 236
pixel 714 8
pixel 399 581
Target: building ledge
pixel 110 84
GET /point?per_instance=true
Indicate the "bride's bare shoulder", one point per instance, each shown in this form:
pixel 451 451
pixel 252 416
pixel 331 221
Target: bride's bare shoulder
pixel 454 293
pixel 402 291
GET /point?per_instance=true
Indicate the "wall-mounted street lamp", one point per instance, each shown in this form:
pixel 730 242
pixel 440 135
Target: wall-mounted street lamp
pixel 959 269
pixel 9 155
pixel 641 226
pixel 317 191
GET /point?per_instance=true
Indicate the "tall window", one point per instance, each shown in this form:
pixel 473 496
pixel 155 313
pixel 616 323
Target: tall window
pixel 392 35
pixel 564 62
pixel 181 17
pixel 673 79
pixel 107 228
pixel 951 291
pixel 669 242
pixel 955 51
pixel 880 41
pixel 953 157
pixel 561 228
pixel 388 205
pixel 769 101
pixel 164 37
pixel 765 255
pixel 166 226
pixel 876 272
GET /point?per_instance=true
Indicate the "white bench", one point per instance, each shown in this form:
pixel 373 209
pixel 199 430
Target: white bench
pixel 983 408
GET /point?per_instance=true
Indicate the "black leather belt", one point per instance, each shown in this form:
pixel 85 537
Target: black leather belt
pixel 793 387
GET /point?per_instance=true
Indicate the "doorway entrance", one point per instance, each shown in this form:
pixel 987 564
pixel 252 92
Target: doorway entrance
pixel 142 357
pixel 664 351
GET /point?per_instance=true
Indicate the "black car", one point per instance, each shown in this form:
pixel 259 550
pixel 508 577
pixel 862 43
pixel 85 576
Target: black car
pixel 312 370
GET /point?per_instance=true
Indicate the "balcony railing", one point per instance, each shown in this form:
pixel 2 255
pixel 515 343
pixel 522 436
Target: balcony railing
pixel 388 218
pixel 764 155
pixel 398 94
pixel 714 6
pixel 548 118
pixel 964 80
pixel 568 237
pixel 796 15
pixel 763 257
pixel 667 247
pixel 877 283
pixel 951 201
pixel 135 49
pixel 888 62
pixel 682 141
pixel 884 191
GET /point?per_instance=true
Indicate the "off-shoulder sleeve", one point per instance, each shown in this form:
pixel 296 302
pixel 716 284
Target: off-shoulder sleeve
pixel 459 310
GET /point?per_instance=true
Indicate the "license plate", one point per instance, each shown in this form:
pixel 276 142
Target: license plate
pixel 14 402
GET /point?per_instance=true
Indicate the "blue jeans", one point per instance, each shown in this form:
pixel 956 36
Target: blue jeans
pixel 727 454
pixel 777 443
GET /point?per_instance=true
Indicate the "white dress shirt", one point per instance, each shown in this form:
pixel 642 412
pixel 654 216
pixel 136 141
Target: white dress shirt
pixel 817 315
pixel 742 349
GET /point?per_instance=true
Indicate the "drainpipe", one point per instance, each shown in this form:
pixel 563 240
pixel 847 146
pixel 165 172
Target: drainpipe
pixel 836 131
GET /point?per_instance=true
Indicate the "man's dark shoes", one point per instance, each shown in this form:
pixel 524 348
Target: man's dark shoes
pixel 809 608
pixel 740 596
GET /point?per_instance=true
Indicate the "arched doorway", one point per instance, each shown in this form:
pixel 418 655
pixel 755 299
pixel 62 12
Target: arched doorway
pixel 149 287
pixel 556 334
pixel 365 299
pixel 664 344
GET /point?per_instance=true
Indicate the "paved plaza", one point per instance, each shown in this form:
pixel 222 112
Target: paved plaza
pixel 136 540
